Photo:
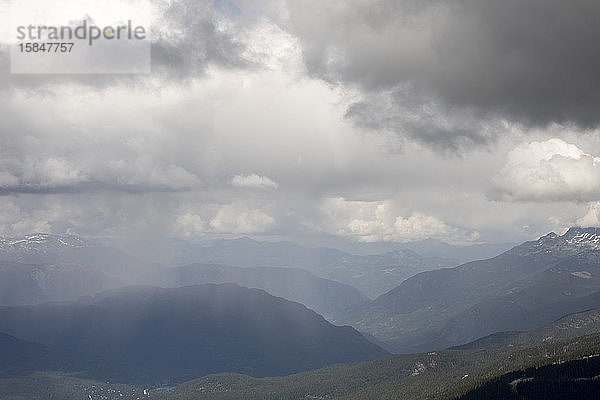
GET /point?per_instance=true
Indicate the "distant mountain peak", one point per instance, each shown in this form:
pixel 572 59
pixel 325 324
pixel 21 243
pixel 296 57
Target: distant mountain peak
pixel 583 236
pixel 43 239
pixel 575 240
pixel 37 247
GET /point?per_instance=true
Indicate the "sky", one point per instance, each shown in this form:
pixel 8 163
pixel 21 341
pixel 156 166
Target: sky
pixel 465 121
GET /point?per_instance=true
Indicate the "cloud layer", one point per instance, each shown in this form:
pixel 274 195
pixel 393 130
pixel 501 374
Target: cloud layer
pixel 369 121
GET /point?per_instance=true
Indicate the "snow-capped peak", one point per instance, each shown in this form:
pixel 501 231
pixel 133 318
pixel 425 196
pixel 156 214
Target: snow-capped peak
pixel 588 237
pixel 37 243
pixel 576 239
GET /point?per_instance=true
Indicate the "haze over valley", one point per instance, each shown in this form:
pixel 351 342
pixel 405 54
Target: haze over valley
pixel 79 307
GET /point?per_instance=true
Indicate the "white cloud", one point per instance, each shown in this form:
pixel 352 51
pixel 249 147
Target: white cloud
pixel 240 220
pixel 189 225
pixel 553 170
pixel 372 221
pixel 54 172
pixel 253 181
pixel 43 173
pixel 267 44
pixel 16 222
pixel 592 216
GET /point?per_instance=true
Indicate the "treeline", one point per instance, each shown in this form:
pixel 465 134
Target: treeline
pixel 61 386
pixel 442 375
pixel 577 380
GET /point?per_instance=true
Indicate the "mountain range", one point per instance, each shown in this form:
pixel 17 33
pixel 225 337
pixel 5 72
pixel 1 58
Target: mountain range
pixel 372 274
pixel 41 267
pixel 521 289
pixel 430 310
pixel 519 310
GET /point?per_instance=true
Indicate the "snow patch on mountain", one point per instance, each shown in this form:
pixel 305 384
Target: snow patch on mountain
pixel 589 237
pixel 38 247
pixel 582 274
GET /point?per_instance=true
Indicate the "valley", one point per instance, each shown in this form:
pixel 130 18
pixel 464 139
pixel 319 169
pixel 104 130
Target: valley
pixel 77 323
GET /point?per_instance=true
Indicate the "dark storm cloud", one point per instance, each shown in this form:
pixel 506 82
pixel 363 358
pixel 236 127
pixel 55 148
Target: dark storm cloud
pixel 437 127
pixel 535 61
pixel 198 42
pixel 532 62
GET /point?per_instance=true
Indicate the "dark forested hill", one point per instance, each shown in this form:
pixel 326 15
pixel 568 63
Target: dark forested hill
pixel 148 334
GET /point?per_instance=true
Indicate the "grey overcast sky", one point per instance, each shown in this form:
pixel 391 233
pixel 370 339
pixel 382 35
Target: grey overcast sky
pixel 466 121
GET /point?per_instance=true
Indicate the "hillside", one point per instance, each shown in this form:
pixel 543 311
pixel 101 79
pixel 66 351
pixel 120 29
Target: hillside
pixel 570 326
pixel 52 385
pixel 21 357
pixel 526 287
pixel 331 299
pixel 149 334
pixel 441 375
pixel 22 284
